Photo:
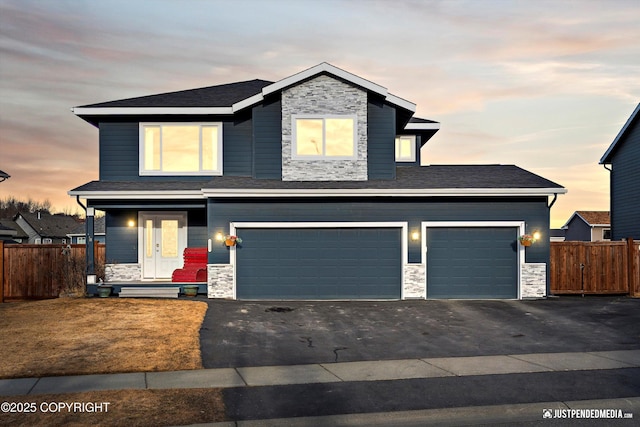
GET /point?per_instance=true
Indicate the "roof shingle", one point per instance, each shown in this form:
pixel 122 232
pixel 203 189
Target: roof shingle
pixel 407 178
pixel 224 95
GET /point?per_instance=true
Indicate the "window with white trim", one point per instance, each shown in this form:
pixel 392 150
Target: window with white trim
pixel 324 137
pixel 180 148
pixel 406 148
pixel 47 241
pixel 82 240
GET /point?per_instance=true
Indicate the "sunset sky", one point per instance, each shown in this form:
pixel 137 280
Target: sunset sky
pixel 545 85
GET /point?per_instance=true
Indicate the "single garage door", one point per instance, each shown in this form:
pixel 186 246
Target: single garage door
pixel 472 262
pixel 319 263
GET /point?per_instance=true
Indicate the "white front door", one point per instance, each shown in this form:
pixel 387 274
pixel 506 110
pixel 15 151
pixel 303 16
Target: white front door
pixel 163 240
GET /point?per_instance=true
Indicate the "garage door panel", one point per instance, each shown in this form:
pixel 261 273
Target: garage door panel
pixel 321 263
pixel 472 262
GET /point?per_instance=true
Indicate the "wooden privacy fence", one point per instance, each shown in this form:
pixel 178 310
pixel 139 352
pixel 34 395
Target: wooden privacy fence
pixel 42 271
pixel 595 267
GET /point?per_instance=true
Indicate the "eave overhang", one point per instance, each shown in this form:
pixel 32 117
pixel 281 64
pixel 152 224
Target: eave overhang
pixel 132 194
pixel 305 193
pixel 606 158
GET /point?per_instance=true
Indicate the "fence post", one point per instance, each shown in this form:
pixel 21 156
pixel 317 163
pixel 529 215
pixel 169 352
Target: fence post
pixel 1 271
pixel 630 262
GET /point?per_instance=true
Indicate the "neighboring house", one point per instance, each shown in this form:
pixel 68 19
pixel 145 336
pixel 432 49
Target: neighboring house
pixel 588 226
pixel 44 228
pixel 11 232
pixel 622 159
pixel 79 236
pixel 320 175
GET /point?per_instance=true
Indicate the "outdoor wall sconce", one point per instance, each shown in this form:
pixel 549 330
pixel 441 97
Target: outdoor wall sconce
pixel 415 236
pixel 529 239
pixel 131 223
pixel 219 236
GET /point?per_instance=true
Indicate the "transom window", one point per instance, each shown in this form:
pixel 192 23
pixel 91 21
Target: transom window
pixel 406 148
pixel 324 137
pixel 181 148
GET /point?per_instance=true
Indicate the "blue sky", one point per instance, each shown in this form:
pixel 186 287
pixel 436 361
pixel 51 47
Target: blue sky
pixel 545 85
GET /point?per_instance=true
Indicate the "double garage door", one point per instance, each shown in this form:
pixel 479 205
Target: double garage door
pixel 366 263
pixel 319 263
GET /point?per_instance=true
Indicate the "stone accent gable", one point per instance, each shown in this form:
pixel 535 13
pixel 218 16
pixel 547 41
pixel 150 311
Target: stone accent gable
pixel 324 95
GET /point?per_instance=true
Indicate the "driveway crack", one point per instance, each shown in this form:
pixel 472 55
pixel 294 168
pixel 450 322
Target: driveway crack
pixel 336 350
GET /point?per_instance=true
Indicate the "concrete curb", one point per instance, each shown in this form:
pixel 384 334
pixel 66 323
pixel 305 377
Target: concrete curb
pixel 384 370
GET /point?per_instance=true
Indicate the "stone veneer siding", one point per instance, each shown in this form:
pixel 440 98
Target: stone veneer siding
pixel 122 272
pixel 324 95
pixel 415 281
pixel 220 281
pixel 534 280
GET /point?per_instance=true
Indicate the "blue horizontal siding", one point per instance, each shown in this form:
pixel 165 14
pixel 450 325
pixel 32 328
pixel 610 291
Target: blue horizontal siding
pixel 533 211
pixel 267 139
pixel 121 240
pixel 381 134
pixel 625 186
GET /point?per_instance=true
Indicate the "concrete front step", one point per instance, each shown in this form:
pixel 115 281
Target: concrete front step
pixel 149 292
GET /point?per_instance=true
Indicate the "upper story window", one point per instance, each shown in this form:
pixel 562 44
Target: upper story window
pixel 180 148
pixel 406 148
pixel 324 137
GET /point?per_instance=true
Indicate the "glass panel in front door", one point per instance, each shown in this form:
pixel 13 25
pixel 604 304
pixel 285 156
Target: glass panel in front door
pixel 169 242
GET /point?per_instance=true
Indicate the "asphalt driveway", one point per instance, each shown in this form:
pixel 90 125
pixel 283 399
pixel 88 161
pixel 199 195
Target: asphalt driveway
pixel 249 333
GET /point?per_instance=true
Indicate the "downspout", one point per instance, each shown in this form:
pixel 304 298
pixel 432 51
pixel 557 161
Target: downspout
pixel 81 205
pixel 610 198
pixel 553 201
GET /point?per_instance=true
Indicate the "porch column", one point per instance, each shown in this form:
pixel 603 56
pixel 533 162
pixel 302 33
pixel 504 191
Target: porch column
pixel 89 247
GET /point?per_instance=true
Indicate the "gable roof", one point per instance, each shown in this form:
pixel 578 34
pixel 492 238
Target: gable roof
pixel 47 225
pixel 592 218
pixel 233 97
pixel 427 181
pixel 9 227
pixel 606 158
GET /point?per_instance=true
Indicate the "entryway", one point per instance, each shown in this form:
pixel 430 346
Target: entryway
pixel 163 238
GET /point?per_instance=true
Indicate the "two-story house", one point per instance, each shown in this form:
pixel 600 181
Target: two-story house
pixel 622 159
pixel 320 174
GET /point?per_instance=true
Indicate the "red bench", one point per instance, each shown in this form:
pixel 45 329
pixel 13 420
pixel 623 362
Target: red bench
pixel 195 266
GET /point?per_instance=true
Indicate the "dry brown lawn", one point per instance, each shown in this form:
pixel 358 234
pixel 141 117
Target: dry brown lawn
pixel 74 336
pixel 70 336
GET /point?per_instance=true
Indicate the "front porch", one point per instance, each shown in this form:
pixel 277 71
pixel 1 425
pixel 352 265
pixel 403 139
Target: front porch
pixel 92 289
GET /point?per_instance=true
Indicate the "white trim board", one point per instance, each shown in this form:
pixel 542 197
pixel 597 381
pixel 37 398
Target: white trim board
pixel 396 192
pixel 404 226
pixel 520 225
